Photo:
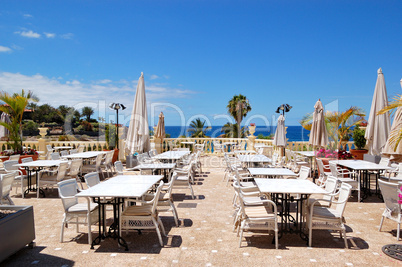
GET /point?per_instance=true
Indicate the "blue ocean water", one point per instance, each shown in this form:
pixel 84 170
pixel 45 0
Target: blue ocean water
pixel 294 133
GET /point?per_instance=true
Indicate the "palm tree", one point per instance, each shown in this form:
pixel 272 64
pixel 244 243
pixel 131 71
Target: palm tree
pixel 198 129
pixel 339 124
pixel 395 136
pixel 230 131
pixel 238 107
pixel 87 112
pixel 15 106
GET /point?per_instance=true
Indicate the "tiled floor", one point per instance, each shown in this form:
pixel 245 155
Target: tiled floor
pixel 205 236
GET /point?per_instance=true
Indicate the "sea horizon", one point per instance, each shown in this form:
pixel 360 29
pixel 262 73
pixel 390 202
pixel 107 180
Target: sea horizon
pixel 294 133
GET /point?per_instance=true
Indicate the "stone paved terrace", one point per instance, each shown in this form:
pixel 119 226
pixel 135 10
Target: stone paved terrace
pixel 205 236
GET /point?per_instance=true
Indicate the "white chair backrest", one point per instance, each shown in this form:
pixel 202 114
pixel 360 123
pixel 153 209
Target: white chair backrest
pixel 344 193
pixel 73 151
pixel 320 165
pixel 49 148
pixel 333 168
pixel 81 148
pixel 304 173
pixel 152 153
pixel 25 160
pixel 92 179
pixel 390 193
pixel 6 184
pixel 64 153
pixel 154 201
pixel 9 165
pixel 62 170
pixel 55 156
pixel 15 157
pixel 67 191
pixel 75 167
pixel 385 162
pixel 98 160
pixel 119 167
pixel 331 184
pixel 399 173
pixel 109 157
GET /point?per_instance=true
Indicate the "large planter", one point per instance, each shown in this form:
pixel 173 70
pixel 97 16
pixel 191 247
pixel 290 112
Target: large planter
pixel 16 230
pixel 358 153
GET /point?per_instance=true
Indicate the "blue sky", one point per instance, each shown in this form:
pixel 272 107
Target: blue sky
pixel 196 55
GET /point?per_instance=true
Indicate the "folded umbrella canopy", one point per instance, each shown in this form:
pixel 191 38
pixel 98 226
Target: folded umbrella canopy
pixel 378 126
pixel 318 133
pixel 160 128
pixel 138 130
pixel 280 134
pixel 5 118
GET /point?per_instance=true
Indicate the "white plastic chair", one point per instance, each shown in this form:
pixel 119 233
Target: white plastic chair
pixel 320 217
pixel 185 177
pixel 118 166
pixel 94 167
pixel 92 179
pixel 19 177
pixel 14 157
pixel 323 173
pixel 55 156
pixel 218 147
pixel 74 211
pixel 393 210
pixel 345 176
pixel 6 184
pixel 258 217
pixel 143 216
pixel 74 170
pixel 165 201
pixel 50 181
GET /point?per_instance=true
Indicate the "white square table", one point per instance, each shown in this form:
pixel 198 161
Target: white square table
pixel 84 155
pixel 271 172
pixel 310 155
pixel 36 165
pixel 166 167
pixel 282 190
pixel 253 159
pixel 118 188
pixel 362 168
pixel 171 156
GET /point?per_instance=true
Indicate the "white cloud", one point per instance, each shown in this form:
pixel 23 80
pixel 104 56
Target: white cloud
pixel 56 91
pixel 49 35
pixel 153 77
pixel 5 49
pixel 67 36
pixel 28 16
pixel 105 81
pixel 28 34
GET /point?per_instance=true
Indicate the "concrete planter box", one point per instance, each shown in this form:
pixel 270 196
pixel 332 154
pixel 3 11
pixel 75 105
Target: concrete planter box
pixel 16 230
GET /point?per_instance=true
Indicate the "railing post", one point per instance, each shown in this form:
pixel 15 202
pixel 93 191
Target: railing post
pixel 251 138
pixel 122 146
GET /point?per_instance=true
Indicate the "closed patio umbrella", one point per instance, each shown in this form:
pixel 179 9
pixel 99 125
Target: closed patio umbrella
pixel 378 126
pixel 318 133
pixel 280 134
pixel 138 130
pixel 389 148
pixel 5 118
pixel 160 128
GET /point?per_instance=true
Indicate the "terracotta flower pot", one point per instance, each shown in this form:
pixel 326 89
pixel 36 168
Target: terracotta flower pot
pixel 358 153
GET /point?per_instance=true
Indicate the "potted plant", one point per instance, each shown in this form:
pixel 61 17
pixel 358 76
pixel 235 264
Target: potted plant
pixel 360 143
